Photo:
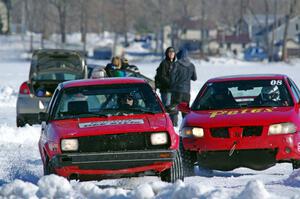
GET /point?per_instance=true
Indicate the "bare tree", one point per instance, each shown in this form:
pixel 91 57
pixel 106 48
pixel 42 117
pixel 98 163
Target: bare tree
pixel 61 6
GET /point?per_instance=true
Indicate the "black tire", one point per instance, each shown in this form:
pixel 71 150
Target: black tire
pixel 188 160
pixel 20 123
pixel 296 164
pixel 48 169
pixel 175 172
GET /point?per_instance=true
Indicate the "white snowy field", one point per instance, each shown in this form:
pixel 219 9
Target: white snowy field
pixel 21 168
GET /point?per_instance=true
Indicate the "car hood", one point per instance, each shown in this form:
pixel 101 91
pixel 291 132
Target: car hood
pixel 109 125
pixel 241 117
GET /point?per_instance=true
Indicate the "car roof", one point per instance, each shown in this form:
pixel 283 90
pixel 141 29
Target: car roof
pixel 103 81
pixel 247 77
pixel 56 51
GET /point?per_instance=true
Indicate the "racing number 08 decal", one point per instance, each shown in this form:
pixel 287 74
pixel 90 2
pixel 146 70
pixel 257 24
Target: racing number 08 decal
pixel 276 82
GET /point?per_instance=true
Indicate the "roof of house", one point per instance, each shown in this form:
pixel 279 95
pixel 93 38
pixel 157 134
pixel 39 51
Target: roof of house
pixel 239 39
pixel 195 23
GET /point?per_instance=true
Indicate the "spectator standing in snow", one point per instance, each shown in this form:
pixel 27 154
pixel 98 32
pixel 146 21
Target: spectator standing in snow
pixel 182 73
pixel 114 68
pixel 162 77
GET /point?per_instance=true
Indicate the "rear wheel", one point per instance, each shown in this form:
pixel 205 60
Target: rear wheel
pixel 188 160
pixel 175 172
pixel 20 123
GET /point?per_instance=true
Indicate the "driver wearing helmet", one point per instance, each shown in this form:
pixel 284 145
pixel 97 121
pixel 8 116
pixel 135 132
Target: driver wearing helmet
pixel 270 93
pixel 269 96
pixel 126 101
pixel 98 73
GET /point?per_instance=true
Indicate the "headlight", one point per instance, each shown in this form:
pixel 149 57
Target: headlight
pixel 282 128
pixel 159 138
pixel 192 131
pixel 69 144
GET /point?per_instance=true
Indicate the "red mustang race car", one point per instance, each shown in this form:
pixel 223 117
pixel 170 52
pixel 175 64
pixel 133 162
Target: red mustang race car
pixel 95 129
pixel 242 121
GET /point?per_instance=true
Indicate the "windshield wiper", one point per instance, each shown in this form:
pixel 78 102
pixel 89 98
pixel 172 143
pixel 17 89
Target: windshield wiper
pixel 80 115
pixel 92 115
pixel 143 111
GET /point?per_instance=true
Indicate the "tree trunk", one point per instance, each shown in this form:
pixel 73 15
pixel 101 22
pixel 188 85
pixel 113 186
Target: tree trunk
pixel 267 43
pixel 83 24
pixel 285 34
pixel 125 23
pixel 271 58
pixel 62 20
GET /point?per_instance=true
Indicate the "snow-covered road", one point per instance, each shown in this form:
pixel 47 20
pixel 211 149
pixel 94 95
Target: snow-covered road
pixel 21 168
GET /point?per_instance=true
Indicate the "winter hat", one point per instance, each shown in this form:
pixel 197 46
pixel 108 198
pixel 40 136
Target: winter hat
pixel 182 54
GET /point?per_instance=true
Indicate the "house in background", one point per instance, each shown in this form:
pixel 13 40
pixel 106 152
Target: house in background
pixel 252 24
pixel 187 33
pixel 278 28
pixel 233 42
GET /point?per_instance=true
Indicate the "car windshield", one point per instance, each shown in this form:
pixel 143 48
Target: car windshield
pixel 243 93
pixel 59 61
pixel 107 100
pixel 56 76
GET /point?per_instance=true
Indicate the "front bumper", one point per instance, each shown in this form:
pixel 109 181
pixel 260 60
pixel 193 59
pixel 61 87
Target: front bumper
pixel 30 104
pixel 109 163
pixel 257 159
pixel 282 147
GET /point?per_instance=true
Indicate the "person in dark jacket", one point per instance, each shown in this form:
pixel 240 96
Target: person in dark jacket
pixel 182 73
pixel 162 77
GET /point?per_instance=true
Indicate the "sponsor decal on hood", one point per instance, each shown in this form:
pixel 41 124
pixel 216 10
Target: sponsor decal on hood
pixel 109 123
pixel 214 114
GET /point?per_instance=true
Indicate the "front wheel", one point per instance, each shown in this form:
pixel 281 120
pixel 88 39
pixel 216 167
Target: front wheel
pixel 175 172
pixel 188 160
pixel 296 164
pixel 48 168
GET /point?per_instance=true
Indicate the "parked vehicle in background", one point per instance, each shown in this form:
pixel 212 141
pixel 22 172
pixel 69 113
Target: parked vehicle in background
pixel 98 128
pixel 94 68
pixel 242 121
pixel 103 53
pixel 255 54
pixel 48 68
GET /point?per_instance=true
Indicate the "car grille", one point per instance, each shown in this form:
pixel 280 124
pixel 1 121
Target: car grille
pixel 118 142
pixel 248 131
pixel 220 132
pixel 252 131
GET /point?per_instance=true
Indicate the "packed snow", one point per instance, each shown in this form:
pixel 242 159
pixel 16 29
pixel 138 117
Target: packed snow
pixel 21 172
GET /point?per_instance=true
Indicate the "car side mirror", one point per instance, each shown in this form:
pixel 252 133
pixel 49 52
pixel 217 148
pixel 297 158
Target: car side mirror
pixel 43 116
pixel 184 107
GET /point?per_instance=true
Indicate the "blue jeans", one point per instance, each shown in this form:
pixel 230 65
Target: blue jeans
pixel 165 98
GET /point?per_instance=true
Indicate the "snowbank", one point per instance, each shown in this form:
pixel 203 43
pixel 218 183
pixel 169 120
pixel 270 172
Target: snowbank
pixel 294 179
pixel 8 96
pixel 53 186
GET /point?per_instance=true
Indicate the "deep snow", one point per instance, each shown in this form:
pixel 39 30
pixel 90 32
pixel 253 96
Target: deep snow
pixel 21 168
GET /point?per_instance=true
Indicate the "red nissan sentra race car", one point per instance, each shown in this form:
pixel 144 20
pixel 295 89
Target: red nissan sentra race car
pixel 95 129
pixel 242 121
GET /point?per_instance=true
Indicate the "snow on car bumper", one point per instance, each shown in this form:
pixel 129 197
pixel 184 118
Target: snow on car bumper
pixel 112 163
